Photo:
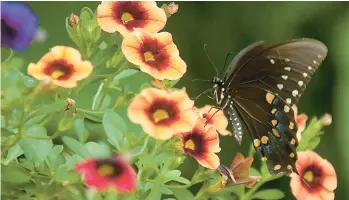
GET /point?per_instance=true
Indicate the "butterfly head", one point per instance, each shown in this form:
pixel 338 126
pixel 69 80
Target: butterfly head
pixel 217 82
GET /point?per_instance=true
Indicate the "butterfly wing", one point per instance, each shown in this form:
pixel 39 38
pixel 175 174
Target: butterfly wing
pixel 271 125
pixel 264 86
pixel 285 69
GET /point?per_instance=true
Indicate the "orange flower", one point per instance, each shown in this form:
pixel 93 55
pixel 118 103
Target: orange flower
pixel 62 66
pixel 161 113
pixel 316 180
pixel 301 120
pixel 124 16
pixel 202 144
pixel 219 121
pixel 238 172
pixel 155 54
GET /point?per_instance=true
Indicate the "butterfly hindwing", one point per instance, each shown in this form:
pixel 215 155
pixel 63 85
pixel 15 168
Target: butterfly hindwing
pixel 271 126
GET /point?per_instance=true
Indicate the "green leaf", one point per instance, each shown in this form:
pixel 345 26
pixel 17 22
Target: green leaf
pixel 62 175
pixel 124 74
pixel 114 127
pixel 182 194
pixel 98 150
pixel 171 175
pixel 254 172
pixel 73 36
pixel 264 169
pixel 165 190
pixel 14 173
pixel 76 147
pixel 182 180
pixel 312 144
pixel 65 124
pixel 36 149
pixel 52 159
pixel 155 193
pixel 86 15
pixel 310 136
pixel 13 153
pixel 237 189
pixel 269 194
pixel 93 116
pixel 102 56
pixel 45 110
pixel 79 128
pixel 71 162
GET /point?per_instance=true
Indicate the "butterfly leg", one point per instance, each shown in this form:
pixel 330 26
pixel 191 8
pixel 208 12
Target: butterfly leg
pixel 204 92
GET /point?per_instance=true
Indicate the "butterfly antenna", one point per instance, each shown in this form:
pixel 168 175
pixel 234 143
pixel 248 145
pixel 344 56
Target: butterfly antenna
pixel 200 80
pixel 225 61
pixel 210 59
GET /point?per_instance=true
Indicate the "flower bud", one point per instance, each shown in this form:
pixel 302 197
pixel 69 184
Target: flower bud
pixel 73 20
pixel 326 120
pixel 171 8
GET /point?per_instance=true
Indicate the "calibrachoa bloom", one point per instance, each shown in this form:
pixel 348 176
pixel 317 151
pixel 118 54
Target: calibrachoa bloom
pixel 238 173
pixel 219 121
pixel 124 16
pixel 317 178
pixel 113 173
pixel 161 113
pixel 301 120
pixel 155 54
pixel 62 65
pixel 201 143
pixel 18 25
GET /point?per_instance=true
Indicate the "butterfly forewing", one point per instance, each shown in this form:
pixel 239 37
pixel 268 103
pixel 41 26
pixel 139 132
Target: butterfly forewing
pixel 263 83
pixel 284 69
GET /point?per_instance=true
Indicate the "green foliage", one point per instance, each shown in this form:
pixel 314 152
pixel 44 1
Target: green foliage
pixel 269 194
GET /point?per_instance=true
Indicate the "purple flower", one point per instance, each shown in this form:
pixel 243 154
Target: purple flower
pixel 18 25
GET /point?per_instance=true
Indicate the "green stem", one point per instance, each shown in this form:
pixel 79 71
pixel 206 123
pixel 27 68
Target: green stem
pixel 52 115
pixel 18 138
pixel 140 139
pixel 104 94
pixel 36 138
pixel 8 58
pixel 95 98
pixel 143 148
pixel 55 135
pixel 169 186
pixel 249 194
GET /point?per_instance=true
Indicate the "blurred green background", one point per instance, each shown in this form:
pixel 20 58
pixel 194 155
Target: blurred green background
pixel 229 27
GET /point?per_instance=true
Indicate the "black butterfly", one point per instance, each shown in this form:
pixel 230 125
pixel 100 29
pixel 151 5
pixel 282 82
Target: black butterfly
pixel 260 87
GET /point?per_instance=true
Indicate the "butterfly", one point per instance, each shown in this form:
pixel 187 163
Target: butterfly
pixel 259 88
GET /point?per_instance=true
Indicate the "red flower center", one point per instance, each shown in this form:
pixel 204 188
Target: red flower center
pixel 59 70
pixel 163 111
pixel 194 143
pixel 131 14
pixel 110 169
pixel 312 177
pixel 153 54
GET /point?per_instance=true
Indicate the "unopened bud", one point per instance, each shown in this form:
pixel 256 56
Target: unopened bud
pixel 171 9
pixel 73 19
pixel 326 120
